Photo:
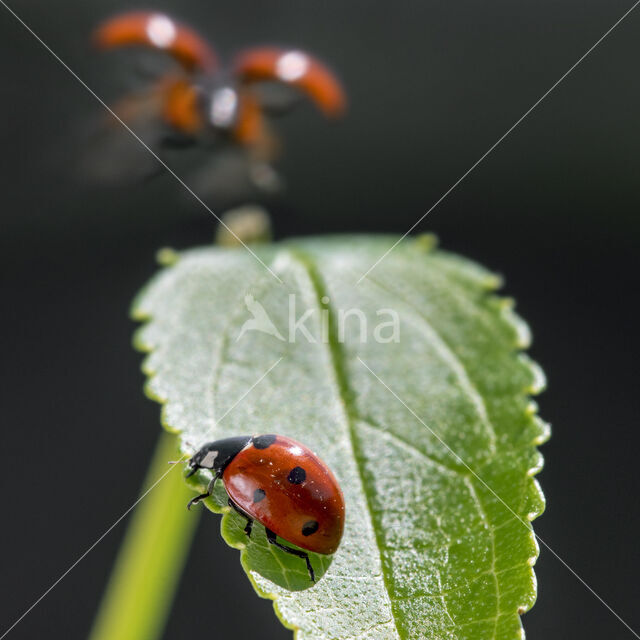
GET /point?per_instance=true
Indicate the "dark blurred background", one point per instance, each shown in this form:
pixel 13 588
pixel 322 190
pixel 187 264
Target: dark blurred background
pixel 432 86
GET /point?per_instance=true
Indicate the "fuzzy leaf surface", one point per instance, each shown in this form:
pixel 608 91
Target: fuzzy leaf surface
pixel 432 436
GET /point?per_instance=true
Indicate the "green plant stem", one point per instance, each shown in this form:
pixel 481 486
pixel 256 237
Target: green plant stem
pixel 144 580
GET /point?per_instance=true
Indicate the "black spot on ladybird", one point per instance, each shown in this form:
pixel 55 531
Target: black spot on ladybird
pixel 263 442
pixel 310 527
pixel 297 475
pixel 258 495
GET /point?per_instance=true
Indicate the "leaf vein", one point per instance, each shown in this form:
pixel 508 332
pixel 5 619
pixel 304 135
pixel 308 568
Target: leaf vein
pixel 453 360
pixel 345 395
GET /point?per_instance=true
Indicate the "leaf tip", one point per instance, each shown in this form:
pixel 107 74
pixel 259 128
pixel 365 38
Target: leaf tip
pixel 426 242
pixel 167 256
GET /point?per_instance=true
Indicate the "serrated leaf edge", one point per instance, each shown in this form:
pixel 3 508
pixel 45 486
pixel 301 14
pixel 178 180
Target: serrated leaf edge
pixel 489 284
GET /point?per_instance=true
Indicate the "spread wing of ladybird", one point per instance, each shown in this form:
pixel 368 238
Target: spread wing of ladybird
pixel 411 386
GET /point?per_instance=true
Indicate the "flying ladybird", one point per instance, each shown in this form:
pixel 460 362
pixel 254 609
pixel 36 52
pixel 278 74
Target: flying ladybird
pixel 201 102
pixel 280 483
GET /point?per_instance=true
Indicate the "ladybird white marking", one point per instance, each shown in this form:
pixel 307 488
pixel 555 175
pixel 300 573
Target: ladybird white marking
pixel 292 66
pixel 223 107
pixel 208 460
pixel 161 31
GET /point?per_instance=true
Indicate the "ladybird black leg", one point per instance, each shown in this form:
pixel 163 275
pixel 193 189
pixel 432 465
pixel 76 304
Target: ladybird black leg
pixel 271 537
pixel 202 496
pixel 249 525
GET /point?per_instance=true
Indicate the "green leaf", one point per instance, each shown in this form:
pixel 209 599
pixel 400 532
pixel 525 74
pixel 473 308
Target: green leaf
pixel 432 437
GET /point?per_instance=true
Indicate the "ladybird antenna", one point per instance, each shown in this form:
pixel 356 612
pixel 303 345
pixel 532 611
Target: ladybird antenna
pixel 183 458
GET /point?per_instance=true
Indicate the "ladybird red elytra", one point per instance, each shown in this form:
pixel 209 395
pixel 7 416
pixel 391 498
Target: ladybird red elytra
pixel 205 97
pixel 281 484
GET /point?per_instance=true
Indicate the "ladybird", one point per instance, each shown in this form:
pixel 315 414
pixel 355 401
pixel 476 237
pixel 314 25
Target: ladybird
pixel 202 102
pixel 281 484
pixel 203 97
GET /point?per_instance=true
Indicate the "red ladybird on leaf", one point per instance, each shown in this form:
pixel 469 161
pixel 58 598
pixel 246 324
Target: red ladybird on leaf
pixel 281 484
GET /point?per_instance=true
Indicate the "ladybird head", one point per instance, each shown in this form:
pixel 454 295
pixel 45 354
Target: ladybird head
pixel 218 454
pixel 218 101
pixel 204 458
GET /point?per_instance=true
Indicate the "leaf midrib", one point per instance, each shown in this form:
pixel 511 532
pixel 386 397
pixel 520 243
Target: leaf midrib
pixel 345 395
